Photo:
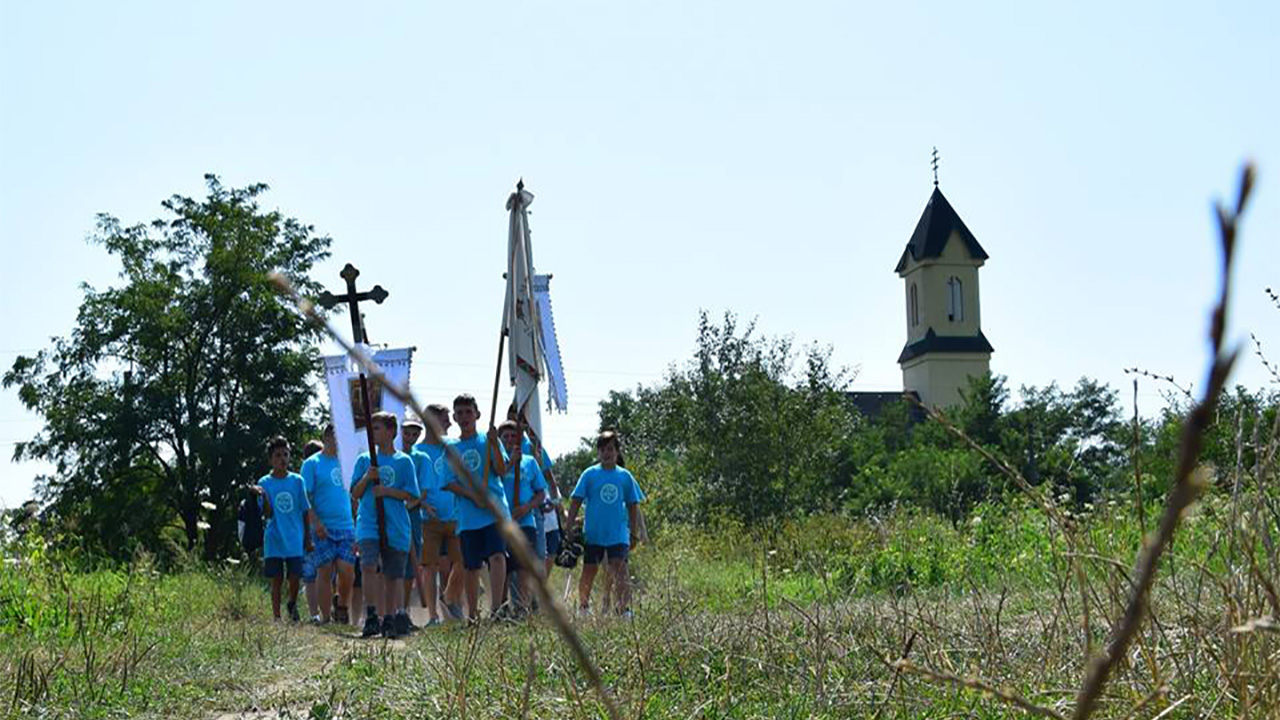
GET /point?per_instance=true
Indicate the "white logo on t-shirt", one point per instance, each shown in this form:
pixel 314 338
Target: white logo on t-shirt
pixel 439 466
pixel 387 474
pixel 284 502
pixel 609 494
pixel 471 459
pixel 335 477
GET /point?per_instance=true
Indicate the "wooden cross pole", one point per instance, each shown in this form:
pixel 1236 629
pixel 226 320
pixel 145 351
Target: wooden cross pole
pixel 358 334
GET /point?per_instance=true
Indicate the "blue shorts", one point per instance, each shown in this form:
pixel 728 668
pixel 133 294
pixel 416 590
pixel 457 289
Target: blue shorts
pixel 553 543
pixel 530 535
pixel 339 545
pixel 594 553
pixel 273 567
pixel 479 545
pixel 392 563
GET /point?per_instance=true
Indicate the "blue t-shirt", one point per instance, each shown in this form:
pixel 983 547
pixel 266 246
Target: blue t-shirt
pixel 396 471
pixel 606 494
pixel 430 481
pixel 470 516
pixel 531 482
pixel 526 449
pixel 420 463
pixel 282 537
pixel 327 493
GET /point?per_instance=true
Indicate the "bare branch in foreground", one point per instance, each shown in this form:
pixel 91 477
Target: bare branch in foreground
pixel 1189 481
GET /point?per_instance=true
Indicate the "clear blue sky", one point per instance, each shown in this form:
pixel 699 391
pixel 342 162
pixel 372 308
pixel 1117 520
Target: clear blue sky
pixel 765 158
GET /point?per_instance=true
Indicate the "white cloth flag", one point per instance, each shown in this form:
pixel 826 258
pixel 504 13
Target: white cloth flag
pixel 346 408
pixel 557 391
pixel 520 313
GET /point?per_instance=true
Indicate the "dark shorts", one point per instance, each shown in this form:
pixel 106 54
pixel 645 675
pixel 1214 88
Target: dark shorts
pixel 553 543
pixel 480 545
pixel 393 563
pixel 274 567
pixel 531 537
pixel 593 553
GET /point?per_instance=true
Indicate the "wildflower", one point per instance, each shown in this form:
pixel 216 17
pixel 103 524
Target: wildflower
pixel 976 521
pixel 202 525
pixel 208 505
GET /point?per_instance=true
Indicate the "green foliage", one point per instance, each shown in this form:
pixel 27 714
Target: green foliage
pixel 738 431
pixel 161 397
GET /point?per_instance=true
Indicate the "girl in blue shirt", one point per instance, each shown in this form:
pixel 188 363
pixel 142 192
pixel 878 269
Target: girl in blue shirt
pixel 610 493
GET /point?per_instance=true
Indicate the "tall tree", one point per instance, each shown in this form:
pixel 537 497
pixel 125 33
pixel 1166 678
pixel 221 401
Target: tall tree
pixel 162 395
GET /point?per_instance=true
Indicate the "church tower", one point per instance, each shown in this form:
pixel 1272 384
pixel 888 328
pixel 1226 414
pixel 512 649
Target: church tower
pixel 939 268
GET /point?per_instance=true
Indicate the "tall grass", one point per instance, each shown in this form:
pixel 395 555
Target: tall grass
pixel 901 615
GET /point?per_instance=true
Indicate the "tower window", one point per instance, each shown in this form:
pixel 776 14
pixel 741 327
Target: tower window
pixel 955 299
pixel 913 306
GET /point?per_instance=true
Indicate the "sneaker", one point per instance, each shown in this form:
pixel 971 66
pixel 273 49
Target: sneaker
pixel 389 627
pixel 341 615
pixel 403 625
pixel 584 611
pixel 626 614
pixel 293 612
pixel 432 622
pixel 372 627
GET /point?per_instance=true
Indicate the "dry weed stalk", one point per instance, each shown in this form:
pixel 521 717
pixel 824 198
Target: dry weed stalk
pixel 510 531
pixel 1188 482
pixel 1004 694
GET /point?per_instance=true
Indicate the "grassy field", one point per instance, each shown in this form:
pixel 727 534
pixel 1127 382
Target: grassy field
pixel 810 619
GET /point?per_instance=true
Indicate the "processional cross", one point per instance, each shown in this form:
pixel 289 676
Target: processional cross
pixel 358 334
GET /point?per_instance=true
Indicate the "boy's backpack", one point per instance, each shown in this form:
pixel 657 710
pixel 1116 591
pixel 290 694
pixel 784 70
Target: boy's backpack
pixel 251 528
pixel 570 550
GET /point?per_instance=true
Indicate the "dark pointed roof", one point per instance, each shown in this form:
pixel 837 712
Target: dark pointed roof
pixel 933 342
pixel 935 226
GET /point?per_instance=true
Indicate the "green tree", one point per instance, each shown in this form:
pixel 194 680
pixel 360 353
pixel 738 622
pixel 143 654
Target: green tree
pixel 737 430
pixel 161 397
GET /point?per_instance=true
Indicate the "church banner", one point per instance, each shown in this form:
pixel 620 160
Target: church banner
pixel 347 409
pixel 557 393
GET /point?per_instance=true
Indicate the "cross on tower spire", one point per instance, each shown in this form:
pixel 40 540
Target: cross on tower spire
pixel 935 166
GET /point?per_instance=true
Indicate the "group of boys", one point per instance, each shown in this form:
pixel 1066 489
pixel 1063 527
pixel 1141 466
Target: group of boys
pixel 436 528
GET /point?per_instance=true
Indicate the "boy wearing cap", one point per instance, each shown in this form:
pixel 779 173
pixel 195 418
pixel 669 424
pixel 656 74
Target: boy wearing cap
pixel 441 549
pixel 410 431
pixel 524 507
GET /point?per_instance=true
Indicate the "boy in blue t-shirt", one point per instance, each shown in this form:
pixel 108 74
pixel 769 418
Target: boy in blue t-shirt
pixel 524 509
pixel 288 533
pixel 395 481
pixel 610 493
pixel 477 526
pixel 410 431
pixel 333 526
pixel 441 549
